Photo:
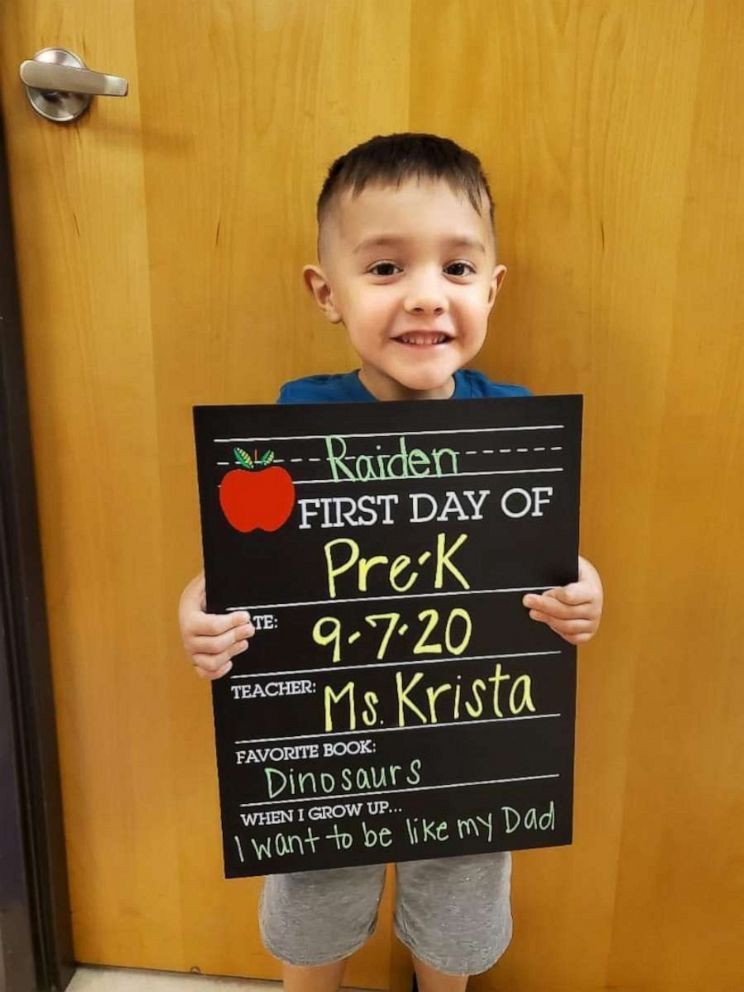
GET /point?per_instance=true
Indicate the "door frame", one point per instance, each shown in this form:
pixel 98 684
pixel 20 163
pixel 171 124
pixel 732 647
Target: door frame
pixel 35 925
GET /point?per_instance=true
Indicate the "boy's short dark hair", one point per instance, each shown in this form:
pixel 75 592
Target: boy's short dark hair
pixel 392 158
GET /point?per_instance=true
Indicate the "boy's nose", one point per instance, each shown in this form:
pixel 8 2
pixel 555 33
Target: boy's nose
pixel 426 307
pixel 425 298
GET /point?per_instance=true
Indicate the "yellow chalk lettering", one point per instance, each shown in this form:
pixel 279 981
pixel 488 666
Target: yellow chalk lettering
pixel 443 561
pixel 434 694
pixel 333 570
pixel 331 697
pixel 400 564
pixel 403 699
pixel 523 683
pixel 366 565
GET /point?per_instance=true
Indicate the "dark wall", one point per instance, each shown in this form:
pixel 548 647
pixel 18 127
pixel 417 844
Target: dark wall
pixel 35 939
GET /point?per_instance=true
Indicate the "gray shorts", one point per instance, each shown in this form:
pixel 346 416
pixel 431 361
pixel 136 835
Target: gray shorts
pixel 453 913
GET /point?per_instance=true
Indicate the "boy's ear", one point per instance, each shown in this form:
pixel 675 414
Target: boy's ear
pixel 322 292
pixel 497 279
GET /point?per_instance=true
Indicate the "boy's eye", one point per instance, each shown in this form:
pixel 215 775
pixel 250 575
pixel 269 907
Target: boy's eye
pixel 384 269
pixel 459 269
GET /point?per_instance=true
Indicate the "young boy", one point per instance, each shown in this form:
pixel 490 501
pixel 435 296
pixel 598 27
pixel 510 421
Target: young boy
pixel 407 263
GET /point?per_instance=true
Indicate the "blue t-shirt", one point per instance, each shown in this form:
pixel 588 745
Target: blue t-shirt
pixel 346 387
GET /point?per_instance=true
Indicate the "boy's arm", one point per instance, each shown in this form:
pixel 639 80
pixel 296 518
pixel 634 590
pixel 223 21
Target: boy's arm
pixel 211 640
pixel 573 611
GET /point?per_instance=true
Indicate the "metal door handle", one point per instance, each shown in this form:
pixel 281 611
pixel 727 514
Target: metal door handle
pixel 60 86
pixel 50 76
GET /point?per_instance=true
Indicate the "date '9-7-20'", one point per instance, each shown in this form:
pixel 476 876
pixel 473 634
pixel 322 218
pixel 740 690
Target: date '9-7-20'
pixel 432 639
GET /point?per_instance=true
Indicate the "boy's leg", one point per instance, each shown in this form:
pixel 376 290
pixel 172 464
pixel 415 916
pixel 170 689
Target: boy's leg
pixel 313 978
pixel 314 920
pixel 454 916
pixel 431 980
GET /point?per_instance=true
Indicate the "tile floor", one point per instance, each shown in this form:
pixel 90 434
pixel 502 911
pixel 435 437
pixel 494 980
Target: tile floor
pixel 126 980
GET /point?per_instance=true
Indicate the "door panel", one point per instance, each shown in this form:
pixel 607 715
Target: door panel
pixel 144 238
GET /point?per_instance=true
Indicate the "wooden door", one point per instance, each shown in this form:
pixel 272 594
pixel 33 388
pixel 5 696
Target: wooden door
pixel 159 245
pixel 159 240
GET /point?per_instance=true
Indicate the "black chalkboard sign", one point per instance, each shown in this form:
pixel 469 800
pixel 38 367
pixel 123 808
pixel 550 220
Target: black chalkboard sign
pixel 397 702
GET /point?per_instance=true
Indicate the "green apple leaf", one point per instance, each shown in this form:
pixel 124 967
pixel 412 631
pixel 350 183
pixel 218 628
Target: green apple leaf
pixel 243 458
pixel 266 459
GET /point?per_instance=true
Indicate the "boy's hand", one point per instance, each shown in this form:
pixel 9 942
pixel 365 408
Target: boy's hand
pixel 573 611
pixel 211 639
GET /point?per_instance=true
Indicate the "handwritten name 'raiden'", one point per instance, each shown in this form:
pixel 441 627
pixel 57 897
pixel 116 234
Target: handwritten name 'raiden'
pixel 400 464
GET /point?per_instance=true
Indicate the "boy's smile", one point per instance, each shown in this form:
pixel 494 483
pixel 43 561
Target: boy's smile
pixel 411 272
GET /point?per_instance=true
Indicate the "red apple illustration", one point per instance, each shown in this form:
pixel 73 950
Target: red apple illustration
pixel 254 496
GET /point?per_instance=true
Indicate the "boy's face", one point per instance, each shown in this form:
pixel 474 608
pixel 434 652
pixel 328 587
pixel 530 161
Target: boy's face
pixel 411 272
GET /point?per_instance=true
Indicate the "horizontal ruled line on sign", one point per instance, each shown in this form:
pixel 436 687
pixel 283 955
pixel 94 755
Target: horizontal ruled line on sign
pixel 424 726
pixel 473 451
pixel 370 665
pixel 374 599
pixel 452 430
pixel 430 478
pixel 410 478
pixel 483 451
pixel 396 792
